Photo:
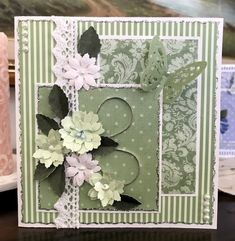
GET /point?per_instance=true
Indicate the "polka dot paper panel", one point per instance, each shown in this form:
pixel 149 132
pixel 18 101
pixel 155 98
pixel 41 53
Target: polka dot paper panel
pixel 137 138
pixel 115 115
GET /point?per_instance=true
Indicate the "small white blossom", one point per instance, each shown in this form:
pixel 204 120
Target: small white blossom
pixel 82 71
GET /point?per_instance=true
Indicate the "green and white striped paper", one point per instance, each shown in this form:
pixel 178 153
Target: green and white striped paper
pixel 35 60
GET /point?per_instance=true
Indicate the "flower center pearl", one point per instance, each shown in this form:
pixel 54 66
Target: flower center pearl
pixel 80 134
pixel 82 167
pixel 51 148
pixel 82 71
pixel 105 186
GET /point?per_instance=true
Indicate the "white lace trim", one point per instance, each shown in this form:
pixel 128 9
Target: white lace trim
pixel 68 207
pixel 65 36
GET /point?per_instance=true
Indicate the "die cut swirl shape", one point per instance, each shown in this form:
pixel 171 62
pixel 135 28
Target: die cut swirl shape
pixel 127 123
pixel 121 131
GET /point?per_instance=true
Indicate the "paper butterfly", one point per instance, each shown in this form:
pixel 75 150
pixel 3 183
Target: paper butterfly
pixel 156 76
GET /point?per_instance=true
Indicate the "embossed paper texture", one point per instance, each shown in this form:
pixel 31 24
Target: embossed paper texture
pixel 117 123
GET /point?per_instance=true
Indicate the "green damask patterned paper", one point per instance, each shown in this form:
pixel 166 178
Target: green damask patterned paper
pixel 122 60
pixel 179 144
pixel 157 149
pixel 180 125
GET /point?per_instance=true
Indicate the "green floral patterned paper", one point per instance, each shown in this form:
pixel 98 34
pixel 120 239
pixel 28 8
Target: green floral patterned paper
pixel 122 60
pixel 180 125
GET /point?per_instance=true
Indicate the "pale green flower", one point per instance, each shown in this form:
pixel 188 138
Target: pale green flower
pixel 106 189
pixel 50 149
pixel 81 132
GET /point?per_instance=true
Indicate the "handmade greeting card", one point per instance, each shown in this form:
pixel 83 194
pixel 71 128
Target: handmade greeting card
pixel 227 115
pixel 117 121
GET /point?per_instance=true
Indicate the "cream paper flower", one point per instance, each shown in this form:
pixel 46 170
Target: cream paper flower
pixel 81 132
pixel 82 71
pixel 106 189
pixel 50 149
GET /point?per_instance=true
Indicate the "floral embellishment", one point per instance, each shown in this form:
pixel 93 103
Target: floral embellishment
pixel 51 150
pixel 82 71
pixel 81 168
pixel 81 132
pixel 106 189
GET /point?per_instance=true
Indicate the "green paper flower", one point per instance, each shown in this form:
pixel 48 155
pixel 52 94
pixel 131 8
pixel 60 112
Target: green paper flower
pixel 106 189
pixel 81 132
pixel 50 151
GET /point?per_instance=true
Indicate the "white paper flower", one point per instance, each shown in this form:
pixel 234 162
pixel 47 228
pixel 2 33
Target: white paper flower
pixel 81 168
pixel 82 71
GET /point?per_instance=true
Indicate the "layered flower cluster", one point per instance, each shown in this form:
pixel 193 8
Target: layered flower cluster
pixel 82 71
pixel 51 150
pixel 106 189
pixel 81 132
pixel 81 168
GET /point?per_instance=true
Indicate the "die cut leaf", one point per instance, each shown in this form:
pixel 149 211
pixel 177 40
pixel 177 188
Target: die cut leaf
pixel 41 172
pixel 126 203
pixel 58 102
pixel 89 43
pixel 108 142
pixel 45 124
pixel 57 180
pixel 177 80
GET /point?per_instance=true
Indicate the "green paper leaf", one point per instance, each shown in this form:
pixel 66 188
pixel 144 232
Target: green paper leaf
pixel 108 142
pixel 126 203
pixel 57 180
pixel 41 172
pixel 45 124
pixel 223 114
pixel 58 102
pixel 176 81
pixel 89 43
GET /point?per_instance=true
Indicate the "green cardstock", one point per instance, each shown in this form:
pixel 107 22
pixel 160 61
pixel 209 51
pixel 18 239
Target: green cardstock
pixel 156 122
pixel 138 139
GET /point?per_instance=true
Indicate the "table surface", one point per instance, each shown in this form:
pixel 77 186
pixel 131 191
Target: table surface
pixel 10 232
